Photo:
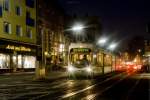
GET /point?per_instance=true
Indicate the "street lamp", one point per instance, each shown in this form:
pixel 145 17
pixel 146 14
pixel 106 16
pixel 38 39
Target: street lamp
pixel 112 46
pixel 102 41
pixel 77 29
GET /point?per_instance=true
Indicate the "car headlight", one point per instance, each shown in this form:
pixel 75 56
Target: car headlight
pixel 88 69
pixel 70 69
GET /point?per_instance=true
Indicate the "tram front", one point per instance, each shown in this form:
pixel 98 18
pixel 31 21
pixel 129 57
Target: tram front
pixel 80 61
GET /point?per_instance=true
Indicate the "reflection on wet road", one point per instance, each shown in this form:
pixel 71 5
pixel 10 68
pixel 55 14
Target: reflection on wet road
pixel 120 86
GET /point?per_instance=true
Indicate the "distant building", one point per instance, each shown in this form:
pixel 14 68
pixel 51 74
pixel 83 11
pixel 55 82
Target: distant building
pixel 50 27
pixel 147 51
pixel 17 34
pixel 136 47
pixel 148 28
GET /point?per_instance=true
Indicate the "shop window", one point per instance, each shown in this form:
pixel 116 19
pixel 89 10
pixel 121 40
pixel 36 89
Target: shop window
pixel 29 61
pixel 18 10
pixel 19 61
pixel 4 61
pixel 7 27
pixel 18 30
pixel 29 33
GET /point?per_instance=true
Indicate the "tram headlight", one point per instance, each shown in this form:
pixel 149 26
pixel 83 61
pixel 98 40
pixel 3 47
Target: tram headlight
pixel 70 69
pixel 88 69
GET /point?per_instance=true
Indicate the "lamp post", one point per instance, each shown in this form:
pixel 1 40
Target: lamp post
pixel 40 70
pixel 111 47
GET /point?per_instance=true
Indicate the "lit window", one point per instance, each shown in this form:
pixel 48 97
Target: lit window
pixel 7 27
pixel 18 30
pixel 18 10
pixel 29 33
pixel 6 5
pixel 29 62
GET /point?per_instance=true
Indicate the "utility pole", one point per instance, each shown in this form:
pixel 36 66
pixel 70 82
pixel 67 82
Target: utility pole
pixel 103 67
pixel 40 67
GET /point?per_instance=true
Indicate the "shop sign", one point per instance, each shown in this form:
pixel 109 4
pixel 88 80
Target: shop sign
pixel 80 50
pixel 18 48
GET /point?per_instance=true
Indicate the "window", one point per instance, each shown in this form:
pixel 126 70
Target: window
pixel 18 30
pixel 1 11
pixel 4 61
pixel 18 10
pixel 30 3
pixel 6 5
pixel 29 32
pixel 7 27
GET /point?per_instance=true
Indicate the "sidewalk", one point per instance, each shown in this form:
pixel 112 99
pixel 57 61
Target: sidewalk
pixel 32 75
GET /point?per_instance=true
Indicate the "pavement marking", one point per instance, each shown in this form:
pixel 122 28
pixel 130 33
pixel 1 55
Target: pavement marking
pixel 90 87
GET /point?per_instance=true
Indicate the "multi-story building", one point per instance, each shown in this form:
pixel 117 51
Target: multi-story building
pixel 17 34
pixel 50 20
pixel 147 51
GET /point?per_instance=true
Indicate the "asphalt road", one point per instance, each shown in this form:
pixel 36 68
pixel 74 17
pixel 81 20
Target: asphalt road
pixel 116 86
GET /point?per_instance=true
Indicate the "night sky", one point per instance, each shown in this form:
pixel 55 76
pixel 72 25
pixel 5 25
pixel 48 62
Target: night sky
pixel 124 18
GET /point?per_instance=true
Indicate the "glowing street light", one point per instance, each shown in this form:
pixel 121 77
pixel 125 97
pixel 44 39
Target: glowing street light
pixel 102 41
pixel 112 46
pixel 77 27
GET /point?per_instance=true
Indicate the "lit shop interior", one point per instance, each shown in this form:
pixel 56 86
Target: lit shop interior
pixel 17 61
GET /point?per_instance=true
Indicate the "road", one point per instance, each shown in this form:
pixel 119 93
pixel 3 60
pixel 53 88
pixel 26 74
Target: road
pixel 114 86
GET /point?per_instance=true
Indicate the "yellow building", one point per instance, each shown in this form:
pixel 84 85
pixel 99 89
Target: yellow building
pixel 17 34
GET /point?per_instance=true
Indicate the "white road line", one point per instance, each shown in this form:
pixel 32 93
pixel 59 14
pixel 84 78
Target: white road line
pixel 90 87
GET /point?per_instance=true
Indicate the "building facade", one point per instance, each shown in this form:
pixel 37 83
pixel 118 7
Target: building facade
pixel 17 34
pixel 147 51
pixel 50 20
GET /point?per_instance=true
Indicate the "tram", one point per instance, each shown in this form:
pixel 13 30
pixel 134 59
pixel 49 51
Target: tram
pixel 80 59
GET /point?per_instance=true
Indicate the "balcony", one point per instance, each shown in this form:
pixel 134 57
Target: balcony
pixel 30 3
pixel 30 22
pixel 0 11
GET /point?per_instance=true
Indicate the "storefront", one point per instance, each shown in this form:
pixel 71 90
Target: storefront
pixel 16 56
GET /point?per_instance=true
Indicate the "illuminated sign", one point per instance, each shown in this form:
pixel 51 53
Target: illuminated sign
pixel 18 48
pixel 80 50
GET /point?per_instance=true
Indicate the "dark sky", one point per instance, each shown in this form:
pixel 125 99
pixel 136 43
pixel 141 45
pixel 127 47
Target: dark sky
pixel 125 18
